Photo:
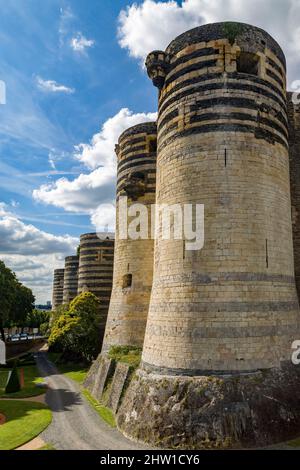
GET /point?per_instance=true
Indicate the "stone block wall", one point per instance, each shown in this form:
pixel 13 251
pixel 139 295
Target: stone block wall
pixel 95 273
pixel 70 278
pixel 58 288
pixel 133 263
pixel 223 142
pixel 294 141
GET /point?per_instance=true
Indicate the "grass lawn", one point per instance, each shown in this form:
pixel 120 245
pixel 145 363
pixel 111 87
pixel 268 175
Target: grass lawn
pixel 105 413
pixel 25 420
pixel 31 378
pixel 76 372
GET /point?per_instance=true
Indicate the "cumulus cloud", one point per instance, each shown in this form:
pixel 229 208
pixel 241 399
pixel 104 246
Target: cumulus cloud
pixel 16 237
pixel 31 253
pixel 153 24
pixel 100 151
pixel 104 218
pixel 82 194
pixel 51 86
pixel 80 43
pixel 88 191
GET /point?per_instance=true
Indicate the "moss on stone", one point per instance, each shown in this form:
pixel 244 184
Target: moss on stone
pixel 231 30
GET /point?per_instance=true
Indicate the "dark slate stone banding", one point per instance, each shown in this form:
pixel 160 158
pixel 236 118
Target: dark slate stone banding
pixel 236 85
pixel 145 127
pixel 226 277
pixel 230 307
pixel 191 68
pixel 264 134
pixel 213 31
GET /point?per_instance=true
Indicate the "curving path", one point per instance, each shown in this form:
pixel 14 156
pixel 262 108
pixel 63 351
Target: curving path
pixel 75 425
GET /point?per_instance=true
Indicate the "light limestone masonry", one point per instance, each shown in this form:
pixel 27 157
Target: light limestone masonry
pixel 70 278
pixel 96 268
pixel 294 141
pixel 223 142
pixel 133 262
pixel 58 288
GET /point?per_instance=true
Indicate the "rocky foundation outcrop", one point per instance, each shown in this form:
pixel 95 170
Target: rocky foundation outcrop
pixel 248 410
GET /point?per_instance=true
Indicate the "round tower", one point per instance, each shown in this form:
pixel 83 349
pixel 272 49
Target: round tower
pixel 58 288
pixel 223 143
pixel 133 262
pixel 220 314
pixel 95 271
pixel 70 278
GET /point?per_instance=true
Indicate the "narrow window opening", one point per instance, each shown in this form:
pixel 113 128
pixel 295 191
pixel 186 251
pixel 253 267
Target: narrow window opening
pixel 225 157
pixel 247 62
pixel 183 249
pixel 267 254
pixel 152 145
pixel 127 281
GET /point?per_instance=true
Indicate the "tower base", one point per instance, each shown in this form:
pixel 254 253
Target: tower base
pixel 234 411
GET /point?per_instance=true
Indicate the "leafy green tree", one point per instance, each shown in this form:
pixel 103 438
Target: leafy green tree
pixel 77 329
pixel 36 318
pixel 8 288
pixel 23 305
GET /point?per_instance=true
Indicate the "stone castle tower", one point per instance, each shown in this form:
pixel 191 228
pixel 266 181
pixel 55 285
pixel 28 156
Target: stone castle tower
pixel 294 141
pixel 95 271
pixel 58 288
pixel 133 262
pixel 70 278
pixel 223 142
pixel 220 315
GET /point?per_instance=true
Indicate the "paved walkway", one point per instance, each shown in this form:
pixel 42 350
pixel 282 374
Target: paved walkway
pixel 75 425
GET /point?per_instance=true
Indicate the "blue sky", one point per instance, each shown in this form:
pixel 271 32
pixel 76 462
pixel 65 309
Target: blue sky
pixel 74 81
pixel 34 124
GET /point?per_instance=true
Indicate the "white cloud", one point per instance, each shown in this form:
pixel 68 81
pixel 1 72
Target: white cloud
pixel 51 86
pixel 80 43
pixel 32 253
pixel 104 218
pixel 16 237
pixel 153 24
pixel 65 19
pixel 100 151
pixel 88 191
pixel 80 194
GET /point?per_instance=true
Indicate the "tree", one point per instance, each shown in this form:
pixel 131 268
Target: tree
pixel 77 329
pixel 8 287
pixel 23 305
pixel 36 318
pixel 16 300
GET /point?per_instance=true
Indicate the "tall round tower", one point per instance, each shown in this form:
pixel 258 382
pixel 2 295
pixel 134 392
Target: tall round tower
pixel 223 142
pixel 58 288
pixel 70 278
pixel 229 309
pixel 95 271
pixel 294 140
pixel 133 262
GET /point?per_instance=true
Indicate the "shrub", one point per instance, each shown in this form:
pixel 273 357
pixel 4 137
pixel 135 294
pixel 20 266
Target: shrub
pixel 13 384
pixel 76 330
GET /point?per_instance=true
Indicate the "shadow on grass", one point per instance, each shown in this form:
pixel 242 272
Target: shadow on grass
pixel 24 421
